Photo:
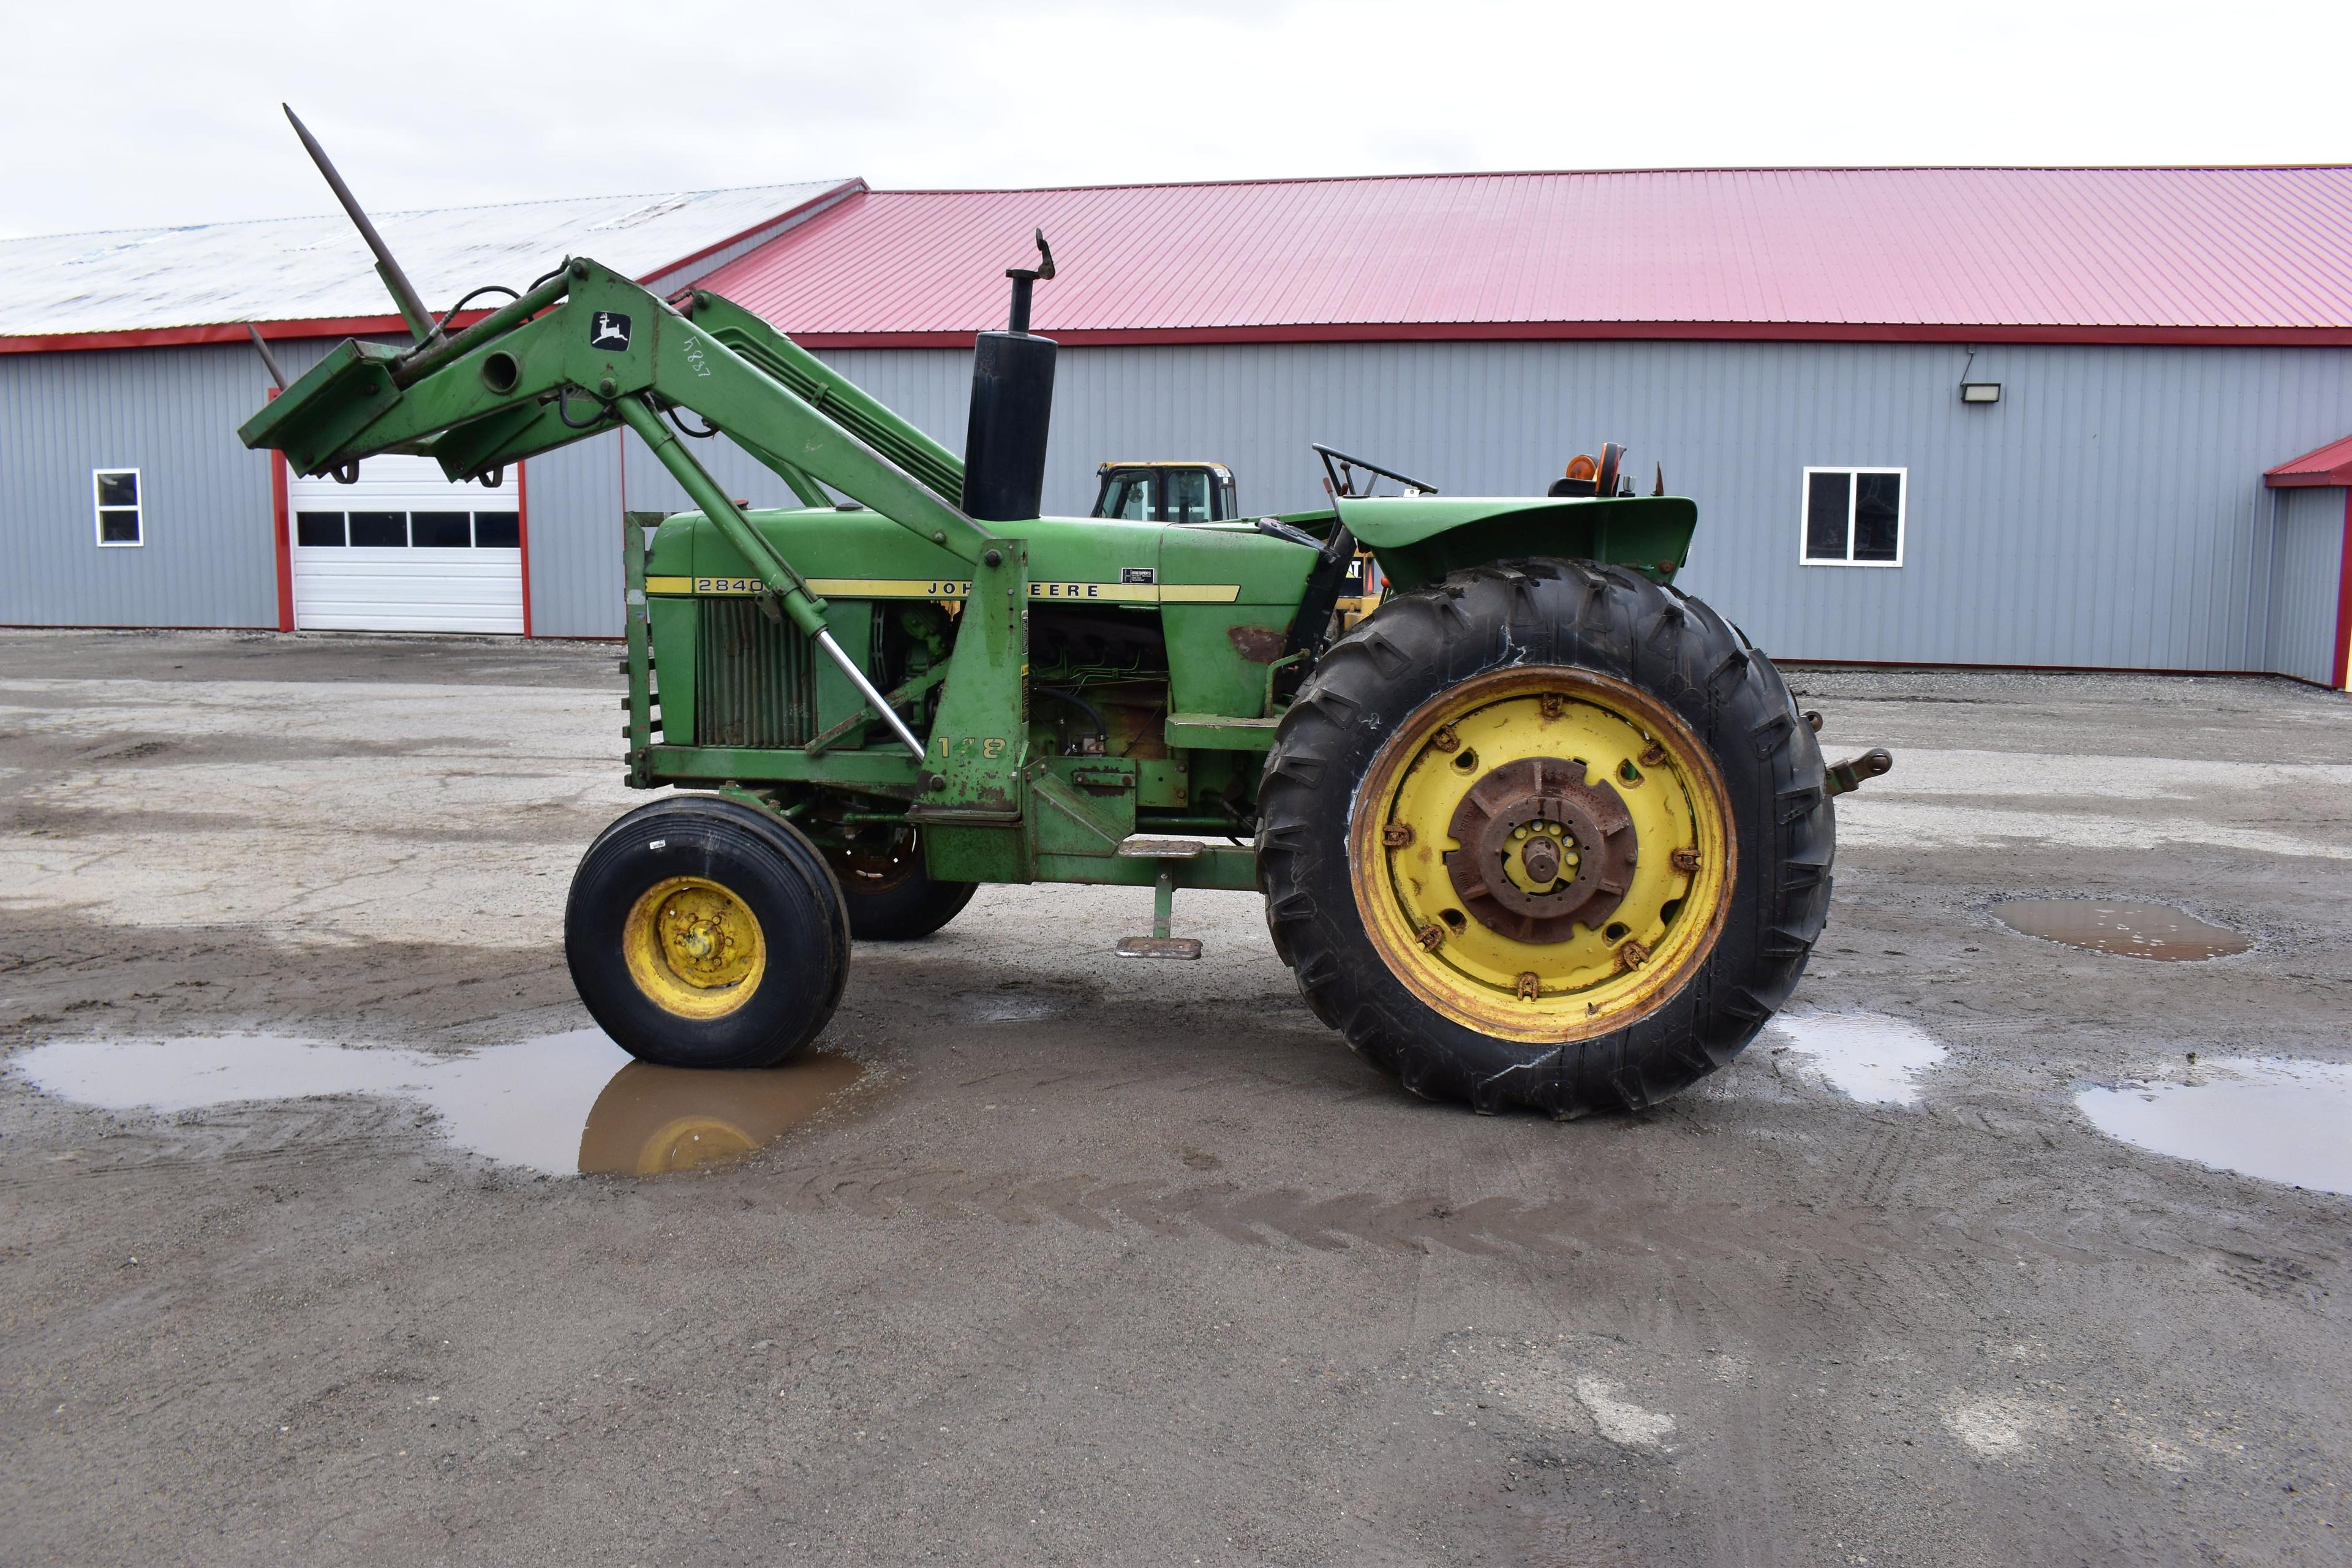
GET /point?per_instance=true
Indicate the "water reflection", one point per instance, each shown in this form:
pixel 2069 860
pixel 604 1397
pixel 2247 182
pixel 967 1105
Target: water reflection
pixel 563 1103
pixel 2132 931
pixel 1867 1056
pixel 2282 1119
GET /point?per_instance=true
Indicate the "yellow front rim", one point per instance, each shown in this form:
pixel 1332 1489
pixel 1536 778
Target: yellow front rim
pixel 1595 862
pixel 694 948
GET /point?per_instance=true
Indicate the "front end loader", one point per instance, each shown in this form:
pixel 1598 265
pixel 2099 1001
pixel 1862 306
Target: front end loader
pixel 1539 830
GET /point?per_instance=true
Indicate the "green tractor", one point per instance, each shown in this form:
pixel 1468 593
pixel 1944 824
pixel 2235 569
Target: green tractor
pixel 1539 830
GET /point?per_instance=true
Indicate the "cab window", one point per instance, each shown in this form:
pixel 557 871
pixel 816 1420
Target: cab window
pixel 1188 496
pixel 1126 493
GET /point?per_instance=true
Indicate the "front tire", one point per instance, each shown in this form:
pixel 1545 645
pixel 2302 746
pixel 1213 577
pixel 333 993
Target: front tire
pixel 1546 834
pixel 703 933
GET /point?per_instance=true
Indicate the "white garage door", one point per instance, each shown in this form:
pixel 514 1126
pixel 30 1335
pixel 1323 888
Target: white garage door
pixel 405 550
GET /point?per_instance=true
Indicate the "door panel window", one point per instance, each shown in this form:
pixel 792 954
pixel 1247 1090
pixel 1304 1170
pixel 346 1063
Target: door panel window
pixel 441 530
pixel 379 530
pixel 317 530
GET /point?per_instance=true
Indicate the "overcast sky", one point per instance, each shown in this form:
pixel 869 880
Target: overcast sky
pixel 122 115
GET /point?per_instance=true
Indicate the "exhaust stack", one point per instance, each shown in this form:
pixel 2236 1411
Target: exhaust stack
pixel 1012 409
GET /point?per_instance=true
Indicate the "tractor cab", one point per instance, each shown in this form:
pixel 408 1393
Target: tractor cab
pixel 1166 493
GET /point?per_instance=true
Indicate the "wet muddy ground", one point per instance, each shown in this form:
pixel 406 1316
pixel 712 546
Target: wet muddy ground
pixel 1062 1258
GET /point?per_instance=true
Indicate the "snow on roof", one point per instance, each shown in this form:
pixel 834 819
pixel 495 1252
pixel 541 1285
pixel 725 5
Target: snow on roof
pixel 2059 254
pixel 317 269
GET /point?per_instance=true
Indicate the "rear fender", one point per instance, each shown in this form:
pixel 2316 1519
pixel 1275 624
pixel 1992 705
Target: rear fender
pixel 1421 539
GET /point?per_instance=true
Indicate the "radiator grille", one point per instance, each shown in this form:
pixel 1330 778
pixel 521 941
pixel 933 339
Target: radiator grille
pixel 753 684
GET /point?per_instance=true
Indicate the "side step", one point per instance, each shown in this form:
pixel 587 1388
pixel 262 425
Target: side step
pixel 1160 944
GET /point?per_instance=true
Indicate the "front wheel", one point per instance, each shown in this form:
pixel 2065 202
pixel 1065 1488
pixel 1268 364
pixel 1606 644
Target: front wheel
pixel 1546 834
pixel 703 933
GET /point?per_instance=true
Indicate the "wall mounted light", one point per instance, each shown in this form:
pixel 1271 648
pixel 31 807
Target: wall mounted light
pixel 1980 392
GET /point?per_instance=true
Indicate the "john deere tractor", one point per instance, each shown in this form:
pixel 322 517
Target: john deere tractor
pixel 1541 830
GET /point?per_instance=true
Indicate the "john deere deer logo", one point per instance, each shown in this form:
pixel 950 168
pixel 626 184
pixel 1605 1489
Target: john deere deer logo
pixel 610 331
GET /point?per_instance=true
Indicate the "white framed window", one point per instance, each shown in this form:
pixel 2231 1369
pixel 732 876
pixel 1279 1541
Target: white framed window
pixel 1853 517
pixel 121 520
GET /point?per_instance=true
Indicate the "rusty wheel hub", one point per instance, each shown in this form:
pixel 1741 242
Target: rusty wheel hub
pixel 1541 850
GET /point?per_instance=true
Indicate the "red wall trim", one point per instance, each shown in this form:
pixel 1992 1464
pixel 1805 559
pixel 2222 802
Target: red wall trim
pixel 1334 332
pixel 230 333
pixel 1792 661
pixel 279 510
pixel 522 530
pixel 2343 677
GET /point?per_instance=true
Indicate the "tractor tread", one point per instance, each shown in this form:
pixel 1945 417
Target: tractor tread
pixel 1582 613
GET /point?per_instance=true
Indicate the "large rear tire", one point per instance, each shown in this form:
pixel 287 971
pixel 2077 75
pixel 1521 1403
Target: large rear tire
pixel 1545 834
pixel 703 933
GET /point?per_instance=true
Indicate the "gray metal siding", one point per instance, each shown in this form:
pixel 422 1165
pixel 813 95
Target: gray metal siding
pixel 575 539
pixel 577 497
pixel 2109 511
pixel 2306 570
pixel 210 555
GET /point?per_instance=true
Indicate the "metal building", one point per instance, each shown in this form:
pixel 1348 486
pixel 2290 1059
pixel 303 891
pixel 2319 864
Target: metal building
pixel 2005 416
pixel 126 366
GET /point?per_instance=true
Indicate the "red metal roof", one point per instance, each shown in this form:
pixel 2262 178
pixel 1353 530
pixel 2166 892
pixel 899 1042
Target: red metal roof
pixel 2250 255
pixel 2331 465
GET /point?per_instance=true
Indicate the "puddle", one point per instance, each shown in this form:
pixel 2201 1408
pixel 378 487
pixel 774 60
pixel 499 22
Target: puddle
pixel 1865 1055
pixel 565 1104
pixel 2269 1117
pixel 2134 931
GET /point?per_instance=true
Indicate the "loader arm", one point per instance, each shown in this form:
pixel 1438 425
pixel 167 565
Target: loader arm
pixel 602 351
pixel 824 388
pixel 588 349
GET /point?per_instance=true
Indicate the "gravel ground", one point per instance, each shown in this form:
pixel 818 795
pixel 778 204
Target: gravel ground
pixel 1113 1263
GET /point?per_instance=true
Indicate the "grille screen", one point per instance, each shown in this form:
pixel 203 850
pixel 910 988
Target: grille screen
pixel 753 684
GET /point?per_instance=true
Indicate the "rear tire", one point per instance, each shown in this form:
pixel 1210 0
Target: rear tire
pixel 890 894
pixel 1719 735
pixel 703 933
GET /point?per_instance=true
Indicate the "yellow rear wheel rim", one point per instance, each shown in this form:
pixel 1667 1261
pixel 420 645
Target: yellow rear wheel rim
pixel 1468 957
pixel 694 948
